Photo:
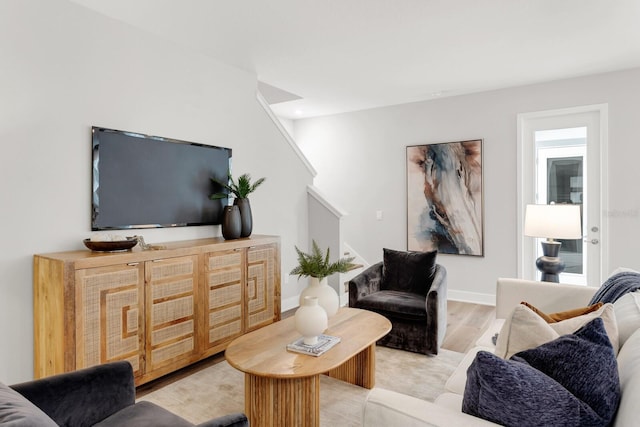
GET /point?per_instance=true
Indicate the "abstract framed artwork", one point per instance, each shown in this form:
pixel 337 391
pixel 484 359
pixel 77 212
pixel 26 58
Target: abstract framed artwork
pixel 445 198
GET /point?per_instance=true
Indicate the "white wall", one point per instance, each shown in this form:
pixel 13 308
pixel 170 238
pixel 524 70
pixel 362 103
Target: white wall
pixel 325 230
pixel 65 68
pixel 360 159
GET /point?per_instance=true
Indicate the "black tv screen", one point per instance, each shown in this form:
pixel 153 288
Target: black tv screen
pixel 142 181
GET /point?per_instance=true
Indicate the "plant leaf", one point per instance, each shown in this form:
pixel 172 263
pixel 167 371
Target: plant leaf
pixel 240 189
pixel 318 265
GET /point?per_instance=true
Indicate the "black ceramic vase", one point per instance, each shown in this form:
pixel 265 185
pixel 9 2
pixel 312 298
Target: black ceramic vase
pixel 245 215
pixel 231 224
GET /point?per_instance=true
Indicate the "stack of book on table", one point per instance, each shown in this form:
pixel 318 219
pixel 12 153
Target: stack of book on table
pixel 325 342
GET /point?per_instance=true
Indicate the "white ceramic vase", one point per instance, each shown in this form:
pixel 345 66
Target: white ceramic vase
pixel 310 320
pixel 327 296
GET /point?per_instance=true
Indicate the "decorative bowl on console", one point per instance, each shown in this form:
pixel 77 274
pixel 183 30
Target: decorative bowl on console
pixel 111 245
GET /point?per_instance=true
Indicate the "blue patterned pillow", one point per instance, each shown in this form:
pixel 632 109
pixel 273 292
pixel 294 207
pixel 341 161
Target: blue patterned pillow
pixel 571 381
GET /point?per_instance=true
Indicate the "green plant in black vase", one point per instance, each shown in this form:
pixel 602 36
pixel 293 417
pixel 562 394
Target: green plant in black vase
pixel 240 189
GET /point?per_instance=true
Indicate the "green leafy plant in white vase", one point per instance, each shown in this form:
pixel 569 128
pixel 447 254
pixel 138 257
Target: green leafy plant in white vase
pixel 318 266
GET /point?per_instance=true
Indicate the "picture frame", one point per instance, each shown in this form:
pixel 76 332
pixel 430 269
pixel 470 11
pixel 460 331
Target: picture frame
pixel 445 197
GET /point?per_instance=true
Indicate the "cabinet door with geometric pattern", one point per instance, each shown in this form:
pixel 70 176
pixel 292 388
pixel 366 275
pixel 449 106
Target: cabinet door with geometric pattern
pixel 170 293
pixel 223 298
pixel 109 317
pixel 260 288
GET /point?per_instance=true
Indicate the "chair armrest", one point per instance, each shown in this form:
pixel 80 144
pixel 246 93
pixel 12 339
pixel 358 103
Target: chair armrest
pixel 436 305
pixel 365 283
pixel 548 297
pixel 439 283
pixel 388 408
pixel 231 420
pixel 83 397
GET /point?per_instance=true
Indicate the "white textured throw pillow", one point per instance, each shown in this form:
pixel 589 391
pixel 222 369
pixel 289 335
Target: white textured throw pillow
pixel 627 309
pixel 524 329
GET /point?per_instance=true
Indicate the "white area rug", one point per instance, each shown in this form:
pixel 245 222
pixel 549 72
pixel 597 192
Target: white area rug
pixel 219 389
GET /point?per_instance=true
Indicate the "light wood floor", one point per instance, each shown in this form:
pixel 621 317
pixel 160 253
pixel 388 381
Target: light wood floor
pixel 466 322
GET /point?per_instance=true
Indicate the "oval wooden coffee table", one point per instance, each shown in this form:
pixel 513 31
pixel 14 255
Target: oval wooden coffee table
pixel 282 388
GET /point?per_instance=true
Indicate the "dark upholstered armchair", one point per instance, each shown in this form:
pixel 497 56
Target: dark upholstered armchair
pixel 102 395
pixel 410 290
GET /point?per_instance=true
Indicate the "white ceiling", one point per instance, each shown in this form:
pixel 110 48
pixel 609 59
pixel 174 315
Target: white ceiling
pixel 346 55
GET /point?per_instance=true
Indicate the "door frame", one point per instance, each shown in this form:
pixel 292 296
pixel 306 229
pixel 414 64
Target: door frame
pixel 525 178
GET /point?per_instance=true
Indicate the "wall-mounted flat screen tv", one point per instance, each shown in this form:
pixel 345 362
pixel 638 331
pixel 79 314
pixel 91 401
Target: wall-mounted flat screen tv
pixel 142 181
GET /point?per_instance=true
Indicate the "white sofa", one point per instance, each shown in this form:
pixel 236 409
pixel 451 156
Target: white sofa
pixel 387 408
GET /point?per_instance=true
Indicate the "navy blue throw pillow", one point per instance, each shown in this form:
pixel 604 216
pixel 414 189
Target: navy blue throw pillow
pixel 512 393
pixel 584 363
pixel 516 393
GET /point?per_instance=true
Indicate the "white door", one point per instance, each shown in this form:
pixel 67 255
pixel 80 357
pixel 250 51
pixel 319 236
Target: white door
pixel 562 159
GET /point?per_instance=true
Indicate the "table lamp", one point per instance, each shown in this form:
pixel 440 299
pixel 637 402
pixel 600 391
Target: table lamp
pixel 552 222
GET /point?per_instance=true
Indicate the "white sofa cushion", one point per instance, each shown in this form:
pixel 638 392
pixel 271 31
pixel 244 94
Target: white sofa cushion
pixel 486 339
pixel 547 296
pixel 457 380
pixel 451 401
pixel 386 408
pixel 629 372
pixel 524 329
pixel 627 309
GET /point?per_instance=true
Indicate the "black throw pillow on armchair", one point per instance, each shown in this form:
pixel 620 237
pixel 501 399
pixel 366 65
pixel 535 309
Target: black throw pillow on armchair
pixel 408 271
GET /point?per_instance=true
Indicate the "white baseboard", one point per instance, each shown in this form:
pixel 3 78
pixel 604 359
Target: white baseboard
pixel 344 300
pixel 290 303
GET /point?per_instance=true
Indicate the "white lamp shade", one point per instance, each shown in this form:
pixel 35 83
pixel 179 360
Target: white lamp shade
pixel 553 221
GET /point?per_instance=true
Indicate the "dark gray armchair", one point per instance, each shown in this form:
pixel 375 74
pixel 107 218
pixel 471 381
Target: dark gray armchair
pixel 102 395
pixel 410 290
